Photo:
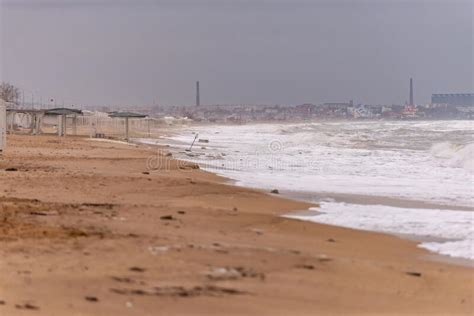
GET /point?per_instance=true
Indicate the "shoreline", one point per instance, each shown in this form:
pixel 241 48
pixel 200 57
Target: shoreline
pixel 372 200
pixel 437 257
pixel 82 214
pixel 376 200
pixel 358 199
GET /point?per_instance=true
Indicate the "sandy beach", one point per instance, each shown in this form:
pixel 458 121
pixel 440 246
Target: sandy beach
pixel 88 228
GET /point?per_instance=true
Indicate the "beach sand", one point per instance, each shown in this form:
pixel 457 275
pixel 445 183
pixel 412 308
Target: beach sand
pixel 87 229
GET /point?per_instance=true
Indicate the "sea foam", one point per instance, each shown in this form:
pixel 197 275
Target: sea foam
pixel 422 161
pixel 452 231
pixel 456 155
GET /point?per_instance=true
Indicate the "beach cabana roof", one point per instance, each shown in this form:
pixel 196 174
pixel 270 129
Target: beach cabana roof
pixel 126 115
pixel 62 111
pixel 26 111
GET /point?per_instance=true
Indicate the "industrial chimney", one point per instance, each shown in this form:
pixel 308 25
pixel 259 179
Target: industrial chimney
pixel 198 94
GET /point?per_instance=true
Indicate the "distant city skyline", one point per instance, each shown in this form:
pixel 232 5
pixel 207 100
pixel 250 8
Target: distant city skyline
pixel 143 52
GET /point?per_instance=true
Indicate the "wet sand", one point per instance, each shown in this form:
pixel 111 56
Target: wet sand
pixel 314 197
pixel 87 228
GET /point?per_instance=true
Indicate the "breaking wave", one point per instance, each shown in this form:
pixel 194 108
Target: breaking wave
pixel 455 155
pixel 430 162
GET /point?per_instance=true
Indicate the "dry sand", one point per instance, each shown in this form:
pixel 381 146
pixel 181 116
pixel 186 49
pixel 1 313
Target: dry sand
pixel 87 229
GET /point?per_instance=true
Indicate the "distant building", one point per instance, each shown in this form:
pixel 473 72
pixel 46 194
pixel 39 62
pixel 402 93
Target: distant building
pixel 455 99
pixel 337 105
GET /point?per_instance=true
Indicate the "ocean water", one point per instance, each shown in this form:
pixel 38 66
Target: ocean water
pixel 417 162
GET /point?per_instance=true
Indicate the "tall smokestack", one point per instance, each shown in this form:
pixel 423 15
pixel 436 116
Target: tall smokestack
pixel 198 94
pixel 411 92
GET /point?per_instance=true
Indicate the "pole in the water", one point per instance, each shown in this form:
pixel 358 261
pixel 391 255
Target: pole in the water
pixel 191 148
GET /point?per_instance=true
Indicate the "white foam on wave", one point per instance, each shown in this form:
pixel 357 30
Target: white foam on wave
pixel 454 228
pixel 365 158
pixel 455 155
pixel 422 161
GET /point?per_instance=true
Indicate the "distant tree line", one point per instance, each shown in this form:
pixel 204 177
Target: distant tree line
pixel 9 93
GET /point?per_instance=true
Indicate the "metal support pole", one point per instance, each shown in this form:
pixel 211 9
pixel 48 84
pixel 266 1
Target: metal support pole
pixel 74 125
pixel 60 125
pixel 126 129
pixel 65 125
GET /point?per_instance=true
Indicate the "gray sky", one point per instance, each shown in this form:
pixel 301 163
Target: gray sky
pixel 126 52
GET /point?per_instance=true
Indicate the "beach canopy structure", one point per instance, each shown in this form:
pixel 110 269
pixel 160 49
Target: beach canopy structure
pixel 127 116
pixel 32 118
pixel 62 114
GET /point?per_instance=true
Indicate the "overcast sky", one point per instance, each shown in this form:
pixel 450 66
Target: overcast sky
pixel 134 52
